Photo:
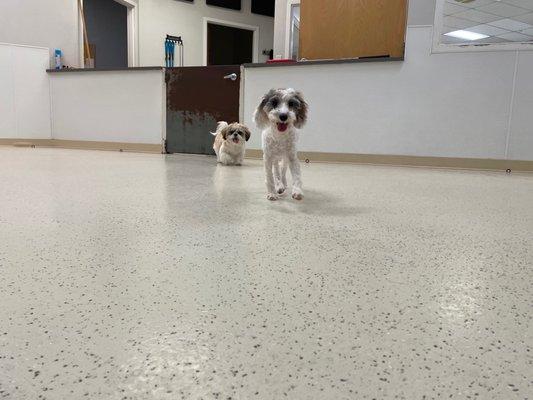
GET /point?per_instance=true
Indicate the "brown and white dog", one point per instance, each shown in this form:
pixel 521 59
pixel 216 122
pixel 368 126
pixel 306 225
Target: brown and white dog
pixel 230 142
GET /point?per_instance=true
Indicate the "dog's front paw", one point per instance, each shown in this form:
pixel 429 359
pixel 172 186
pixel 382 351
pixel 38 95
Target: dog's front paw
pixel 272 197
pixel 297 195
pixel 280 189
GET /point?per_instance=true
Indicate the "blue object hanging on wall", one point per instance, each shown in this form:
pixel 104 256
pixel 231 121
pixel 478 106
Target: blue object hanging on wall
pixel 170 49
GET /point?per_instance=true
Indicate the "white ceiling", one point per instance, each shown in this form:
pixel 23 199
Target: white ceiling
pixel 502 20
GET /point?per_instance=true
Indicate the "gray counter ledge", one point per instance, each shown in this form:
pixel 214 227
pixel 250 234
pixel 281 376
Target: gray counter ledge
pixel 325 62
pixel 67 70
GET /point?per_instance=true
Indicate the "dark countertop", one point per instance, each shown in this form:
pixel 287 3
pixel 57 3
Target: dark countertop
pixel 250 65
pixel 59 71
pixel 325 62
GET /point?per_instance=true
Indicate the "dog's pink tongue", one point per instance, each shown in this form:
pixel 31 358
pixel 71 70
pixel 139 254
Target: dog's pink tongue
pixel 235 140
pixel 282 127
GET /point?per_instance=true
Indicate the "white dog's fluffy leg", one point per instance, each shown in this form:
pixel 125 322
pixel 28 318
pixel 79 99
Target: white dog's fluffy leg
pixel 226 159
pixel 294 165
pixel 278 179
pixel 270 180
pixel 240 159
pixel 284 166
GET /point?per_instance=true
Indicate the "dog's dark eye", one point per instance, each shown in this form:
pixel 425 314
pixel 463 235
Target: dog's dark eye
pixel 274 103
pixel 293 104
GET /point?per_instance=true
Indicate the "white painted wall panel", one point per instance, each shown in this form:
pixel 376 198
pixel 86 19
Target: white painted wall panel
pixel 32 94
pixel 48 23
pixel 24 93
pixel 446 105
pixel 280 27
pixel 421 12
pixel 521 138
pixel 121 106
pixel 8 127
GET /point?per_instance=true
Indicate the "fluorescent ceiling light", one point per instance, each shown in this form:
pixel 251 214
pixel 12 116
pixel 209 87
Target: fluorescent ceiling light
pixel 467 35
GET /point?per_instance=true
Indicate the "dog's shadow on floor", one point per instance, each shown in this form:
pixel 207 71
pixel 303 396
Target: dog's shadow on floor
pixel 318 203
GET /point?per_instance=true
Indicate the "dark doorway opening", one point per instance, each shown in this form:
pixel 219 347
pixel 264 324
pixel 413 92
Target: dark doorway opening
pixel 227 45
pixel 107 30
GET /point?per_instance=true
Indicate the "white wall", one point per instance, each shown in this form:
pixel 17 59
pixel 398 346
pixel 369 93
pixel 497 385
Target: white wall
pixel 521 124
pixel 447 105
pixel 24 93
pixel 161 17
pixel 421 12
pixel 280 27
pixel 109 106
pixel 49 23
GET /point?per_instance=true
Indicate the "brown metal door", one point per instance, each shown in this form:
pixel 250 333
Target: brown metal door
pixel 197 98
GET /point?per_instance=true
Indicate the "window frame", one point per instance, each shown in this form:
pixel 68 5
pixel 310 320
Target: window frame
pixel 288 27
pixel 439 47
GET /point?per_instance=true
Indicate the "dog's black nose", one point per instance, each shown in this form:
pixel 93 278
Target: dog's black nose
pixel 283 117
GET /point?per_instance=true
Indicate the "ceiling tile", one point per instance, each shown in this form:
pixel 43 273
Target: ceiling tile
pixel 477 16
pixel 458 23
pixel 516 37
pixel 453 40
pixel 446 29
pixel 527 18
pixel 493 40
pixel 488 30
pixel 502 9
pixel 527 4
pixel 528 32
pixel 453 8
pixel 473 4
pixel 510 24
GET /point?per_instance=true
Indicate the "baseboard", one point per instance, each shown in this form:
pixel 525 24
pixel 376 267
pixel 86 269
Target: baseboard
pixel 376 159
pixel 84 145
pixel 410 161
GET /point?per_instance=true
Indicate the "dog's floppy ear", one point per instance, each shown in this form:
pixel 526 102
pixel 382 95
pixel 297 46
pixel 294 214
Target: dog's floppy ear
pixel 247 133
pixel 260 116
pixel 301 113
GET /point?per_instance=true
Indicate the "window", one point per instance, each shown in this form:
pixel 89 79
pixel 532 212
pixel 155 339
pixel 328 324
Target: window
pixel 263 7
pixel 231 4
pixel 483 25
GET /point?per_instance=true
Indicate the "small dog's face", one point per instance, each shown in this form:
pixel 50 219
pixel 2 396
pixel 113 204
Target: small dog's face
pixel 236 133
pixel 282 108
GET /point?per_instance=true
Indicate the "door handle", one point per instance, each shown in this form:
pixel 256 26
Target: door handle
pixel 233 77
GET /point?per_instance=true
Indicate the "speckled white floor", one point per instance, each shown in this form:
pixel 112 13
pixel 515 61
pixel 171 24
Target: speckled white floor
pixel 130 276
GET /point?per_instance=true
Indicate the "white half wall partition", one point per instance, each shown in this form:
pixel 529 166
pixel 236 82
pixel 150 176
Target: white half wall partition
pixel 431 105
pixel 24 92
pixel 124 106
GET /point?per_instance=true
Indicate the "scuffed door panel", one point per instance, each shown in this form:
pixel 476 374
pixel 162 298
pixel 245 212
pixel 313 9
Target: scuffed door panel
pixel 197 98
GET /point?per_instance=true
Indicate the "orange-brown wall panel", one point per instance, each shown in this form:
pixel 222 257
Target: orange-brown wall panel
pixel 333 29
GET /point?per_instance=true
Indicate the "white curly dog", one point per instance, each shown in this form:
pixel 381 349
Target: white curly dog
pixel 280 113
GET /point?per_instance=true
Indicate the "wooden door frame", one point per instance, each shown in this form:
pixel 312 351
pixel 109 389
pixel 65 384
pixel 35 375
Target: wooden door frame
pixel 132 24
pixel 253 28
